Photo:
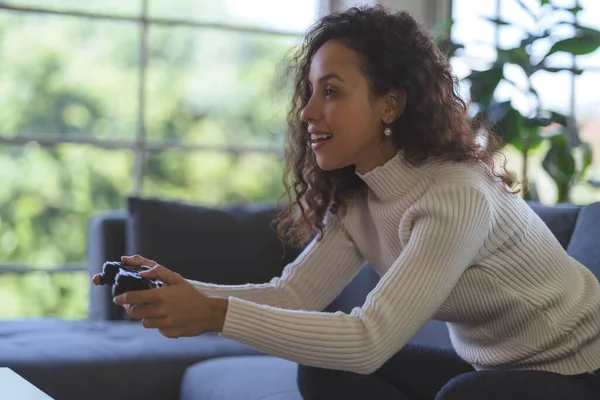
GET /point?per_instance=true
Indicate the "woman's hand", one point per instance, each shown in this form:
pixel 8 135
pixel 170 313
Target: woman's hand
pixel 176 309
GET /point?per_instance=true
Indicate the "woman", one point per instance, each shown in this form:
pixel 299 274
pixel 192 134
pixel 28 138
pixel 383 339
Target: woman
pixel 386 169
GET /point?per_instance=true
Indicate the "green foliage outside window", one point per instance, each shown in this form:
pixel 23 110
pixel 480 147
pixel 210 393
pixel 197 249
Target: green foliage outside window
pixel 73 78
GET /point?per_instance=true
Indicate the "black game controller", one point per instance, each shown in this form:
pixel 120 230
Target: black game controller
pixel 124 278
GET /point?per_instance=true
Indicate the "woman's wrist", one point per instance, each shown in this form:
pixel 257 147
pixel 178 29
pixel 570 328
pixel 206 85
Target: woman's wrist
pixel 219 307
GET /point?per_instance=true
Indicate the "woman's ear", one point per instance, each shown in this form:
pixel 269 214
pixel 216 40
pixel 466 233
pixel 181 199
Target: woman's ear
pixel 395 102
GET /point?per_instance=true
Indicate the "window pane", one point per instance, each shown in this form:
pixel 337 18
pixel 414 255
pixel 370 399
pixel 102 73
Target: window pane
pixel 587 97
pixel 48 195
pixel 289 15
pixel 472 29
pixel 77 77
pixel 587 112
pixel 214 178
pixel 119 7
pixel 589 61
pixel 520 21
pixel 554 89
pixel 39 294
pixel 197 92
pixel 461 69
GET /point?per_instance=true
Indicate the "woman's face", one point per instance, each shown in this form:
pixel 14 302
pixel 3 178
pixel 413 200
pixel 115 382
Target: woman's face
pixel 345 125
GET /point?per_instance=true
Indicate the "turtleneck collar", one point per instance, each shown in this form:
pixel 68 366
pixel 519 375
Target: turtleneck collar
pixel 391 179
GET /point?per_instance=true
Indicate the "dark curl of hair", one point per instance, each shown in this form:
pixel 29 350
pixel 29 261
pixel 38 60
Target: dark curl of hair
pixel 395 52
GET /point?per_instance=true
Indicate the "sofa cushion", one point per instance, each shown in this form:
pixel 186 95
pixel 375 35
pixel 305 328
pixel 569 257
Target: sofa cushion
pixel 433 333
pixel 241 378
pixel 232 245
pixel 585 243
pixel 355 293
pixel 117 360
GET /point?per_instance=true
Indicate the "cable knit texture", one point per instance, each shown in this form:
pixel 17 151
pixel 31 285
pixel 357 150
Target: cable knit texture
pixel 449 244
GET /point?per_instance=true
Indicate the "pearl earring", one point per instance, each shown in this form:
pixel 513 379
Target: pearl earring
pixel 387 131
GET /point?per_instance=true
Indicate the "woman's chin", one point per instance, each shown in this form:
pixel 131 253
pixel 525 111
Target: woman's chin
pixel 328 163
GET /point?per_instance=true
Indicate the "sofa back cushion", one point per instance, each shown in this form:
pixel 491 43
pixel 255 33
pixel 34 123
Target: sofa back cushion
pixel 232 245
pixel 585 242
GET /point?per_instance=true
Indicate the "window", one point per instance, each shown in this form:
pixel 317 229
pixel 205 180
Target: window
pixel 105 99
pixel 564 92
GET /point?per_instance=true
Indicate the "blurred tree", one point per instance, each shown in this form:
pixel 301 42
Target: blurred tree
pixel 79 78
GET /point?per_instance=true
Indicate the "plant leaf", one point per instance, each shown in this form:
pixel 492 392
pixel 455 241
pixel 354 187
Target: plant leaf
pixel 587 156
pixel 528 138
pixel 517 55
pixel 509 124
pixel 586 31
pixel 535 93
pixel 577 46
pixel 593 183
pixel 533 37
pixel 537 121
pixel 559 161
pixel 484 83
pixel 576 71
pixel 559 118
pixel 497 21
pixel 574 10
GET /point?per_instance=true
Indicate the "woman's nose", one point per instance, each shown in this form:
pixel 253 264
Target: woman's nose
pixel 310 111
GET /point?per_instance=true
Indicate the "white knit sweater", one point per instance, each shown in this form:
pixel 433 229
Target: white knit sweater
pixel 450 244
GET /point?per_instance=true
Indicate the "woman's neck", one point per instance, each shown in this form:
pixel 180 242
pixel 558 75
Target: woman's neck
pixel 371 162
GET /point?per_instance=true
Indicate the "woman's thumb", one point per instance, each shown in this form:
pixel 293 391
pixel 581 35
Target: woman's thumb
pixel 161 273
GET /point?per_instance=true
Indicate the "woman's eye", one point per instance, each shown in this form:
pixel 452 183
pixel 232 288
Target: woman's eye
pixel 328 92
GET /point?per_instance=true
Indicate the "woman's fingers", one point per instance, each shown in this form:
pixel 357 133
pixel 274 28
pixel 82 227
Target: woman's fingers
pixel 138 261
pixel 163 274
pixel 153 323
pixel 143 311
pixel 169 333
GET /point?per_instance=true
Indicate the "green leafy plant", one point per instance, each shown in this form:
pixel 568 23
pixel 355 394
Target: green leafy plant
pixel 567 157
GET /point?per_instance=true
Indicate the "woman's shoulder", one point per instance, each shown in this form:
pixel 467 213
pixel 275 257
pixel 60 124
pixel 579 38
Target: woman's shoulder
pixel 473 179
pixel 472 174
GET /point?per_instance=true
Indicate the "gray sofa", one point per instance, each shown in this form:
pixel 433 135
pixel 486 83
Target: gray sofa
pixel 111 357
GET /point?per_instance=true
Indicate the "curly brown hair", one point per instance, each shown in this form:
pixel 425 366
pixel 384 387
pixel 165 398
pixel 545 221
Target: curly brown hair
pixel 395 52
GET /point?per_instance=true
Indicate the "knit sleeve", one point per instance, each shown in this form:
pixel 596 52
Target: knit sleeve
pixel 310 282
pixel 442 233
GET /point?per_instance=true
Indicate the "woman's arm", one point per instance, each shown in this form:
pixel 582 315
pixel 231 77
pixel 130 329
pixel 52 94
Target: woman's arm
pixel 448 228
pixel 311 282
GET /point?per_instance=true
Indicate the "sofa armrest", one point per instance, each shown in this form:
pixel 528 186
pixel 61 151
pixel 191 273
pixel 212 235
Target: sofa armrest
pixel 106 242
